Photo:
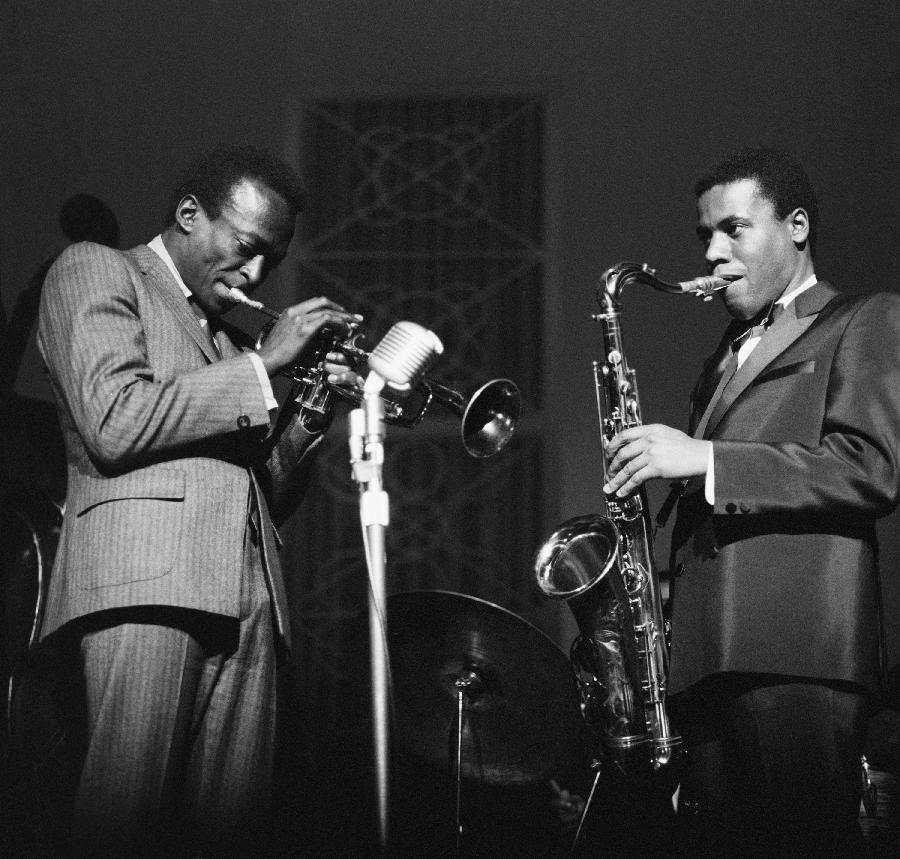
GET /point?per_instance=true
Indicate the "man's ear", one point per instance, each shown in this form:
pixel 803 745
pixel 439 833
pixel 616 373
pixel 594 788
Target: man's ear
pixel 799 223
pixel 187 212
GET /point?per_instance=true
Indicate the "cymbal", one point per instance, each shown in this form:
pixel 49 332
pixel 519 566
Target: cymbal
pixel 521 721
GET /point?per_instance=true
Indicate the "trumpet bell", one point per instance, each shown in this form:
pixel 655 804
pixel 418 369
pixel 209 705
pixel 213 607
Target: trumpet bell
pixel 489 418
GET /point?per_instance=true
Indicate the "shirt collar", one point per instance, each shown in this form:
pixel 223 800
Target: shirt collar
pixel 788 297
pixel 159 248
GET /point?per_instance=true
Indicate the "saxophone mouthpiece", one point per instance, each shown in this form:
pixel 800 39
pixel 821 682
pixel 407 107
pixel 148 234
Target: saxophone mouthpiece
pixel 704 286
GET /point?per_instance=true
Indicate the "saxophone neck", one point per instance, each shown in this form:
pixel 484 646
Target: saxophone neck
pixel 620 275
pixel 617 277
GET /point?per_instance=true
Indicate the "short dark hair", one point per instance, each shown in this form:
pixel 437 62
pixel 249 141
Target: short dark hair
pixel 780 177
pixel 215 173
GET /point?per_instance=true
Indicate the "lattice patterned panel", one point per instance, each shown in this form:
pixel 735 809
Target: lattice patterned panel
pixel 428 211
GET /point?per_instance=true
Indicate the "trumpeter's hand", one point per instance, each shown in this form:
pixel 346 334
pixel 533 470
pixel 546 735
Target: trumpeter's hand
pixel 295 329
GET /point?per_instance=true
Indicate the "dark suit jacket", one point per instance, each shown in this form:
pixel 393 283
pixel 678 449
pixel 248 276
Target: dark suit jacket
pixel 781 576
pixel 168 444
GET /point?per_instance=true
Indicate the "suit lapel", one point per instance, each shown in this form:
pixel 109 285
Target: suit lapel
pixel 794 321
pixel 160 279
pixel 716 398
pixel 226 348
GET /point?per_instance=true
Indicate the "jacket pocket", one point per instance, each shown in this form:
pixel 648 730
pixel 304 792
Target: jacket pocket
pixel 796 369
pixel 126 529
pixel 160 483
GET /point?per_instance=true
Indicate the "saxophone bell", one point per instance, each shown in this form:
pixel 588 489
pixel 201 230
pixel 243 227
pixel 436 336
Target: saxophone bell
pixel 577 556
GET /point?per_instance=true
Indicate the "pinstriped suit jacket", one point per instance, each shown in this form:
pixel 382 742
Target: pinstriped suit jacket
pixel 167 444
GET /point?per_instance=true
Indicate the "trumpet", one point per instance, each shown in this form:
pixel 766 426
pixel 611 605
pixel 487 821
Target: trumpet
pixel 488 416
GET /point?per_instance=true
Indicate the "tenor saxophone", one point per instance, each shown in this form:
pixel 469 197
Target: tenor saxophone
pixel 603 566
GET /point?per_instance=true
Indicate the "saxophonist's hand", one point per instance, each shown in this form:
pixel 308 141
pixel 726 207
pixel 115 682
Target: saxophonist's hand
pixel 641 453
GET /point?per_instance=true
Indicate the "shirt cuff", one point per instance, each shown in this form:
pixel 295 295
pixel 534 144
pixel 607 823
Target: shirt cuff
pixel 264 383
pixel 709 489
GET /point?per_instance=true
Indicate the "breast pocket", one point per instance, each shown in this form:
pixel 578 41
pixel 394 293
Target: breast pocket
pixel 126 529
pixel 796 369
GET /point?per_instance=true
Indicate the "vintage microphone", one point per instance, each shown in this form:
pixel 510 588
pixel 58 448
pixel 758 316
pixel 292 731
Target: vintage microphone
pixel 404 354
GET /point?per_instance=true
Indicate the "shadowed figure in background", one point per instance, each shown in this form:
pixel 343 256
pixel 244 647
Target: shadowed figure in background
pixel 39 733
pixel 32 444
pixel 82 218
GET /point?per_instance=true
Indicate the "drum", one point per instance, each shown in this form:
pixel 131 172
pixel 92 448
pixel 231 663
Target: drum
pixel 40 726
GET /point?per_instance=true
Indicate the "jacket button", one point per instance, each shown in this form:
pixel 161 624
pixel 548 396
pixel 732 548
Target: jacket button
pixel 731 507
pixel 243 422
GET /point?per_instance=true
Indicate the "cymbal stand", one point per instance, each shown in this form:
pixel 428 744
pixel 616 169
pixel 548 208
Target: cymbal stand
pixel 576 841
pixel 468 684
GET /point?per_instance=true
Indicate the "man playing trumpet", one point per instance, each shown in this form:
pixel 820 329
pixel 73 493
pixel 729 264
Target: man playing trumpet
pixel 179 467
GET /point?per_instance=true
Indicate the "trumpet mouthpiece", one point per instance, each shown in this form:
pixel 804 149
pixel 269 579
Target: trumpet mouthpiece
pixel 240 298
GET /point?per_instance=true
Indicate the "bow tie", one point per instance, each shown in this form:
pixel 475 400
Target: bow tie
pixel 756 326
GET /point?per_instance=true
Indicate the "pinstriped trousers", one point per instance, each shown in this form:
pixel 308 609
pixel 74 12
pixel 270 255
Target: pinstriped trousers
pixel 181 720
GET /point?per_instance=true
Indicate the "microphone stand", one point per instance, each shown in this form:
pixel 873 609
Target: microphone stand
pixel 405 351
pixel 367 459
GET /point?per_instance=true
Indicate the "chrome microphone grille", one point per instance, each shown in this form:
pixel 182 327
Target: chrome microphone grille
pixel 404 353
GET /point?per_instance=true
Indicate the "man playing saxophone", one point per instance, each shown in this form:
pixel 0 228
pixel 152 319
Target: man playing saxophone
pixel 791 455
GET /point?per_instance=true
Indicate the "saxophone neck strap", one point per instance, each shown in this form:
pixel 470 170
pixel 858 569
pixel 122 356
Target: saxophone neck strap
pixel 676 490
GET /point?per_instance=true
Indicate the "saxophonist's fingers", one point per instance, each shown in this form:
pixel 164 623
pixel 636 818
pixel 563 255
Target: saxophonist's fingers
pixel 622 450
pixel 626 436
pixel 630 474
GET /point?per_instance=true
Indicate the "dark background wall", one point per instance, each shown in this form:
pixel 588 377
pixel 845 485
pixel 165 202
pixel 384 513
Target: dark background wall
pixel 112 98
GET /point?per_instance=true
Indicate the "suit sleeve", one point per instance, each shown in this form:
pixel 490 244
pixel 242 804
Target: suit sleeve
pixel 854 469
pixel 93 340
pixel 288 468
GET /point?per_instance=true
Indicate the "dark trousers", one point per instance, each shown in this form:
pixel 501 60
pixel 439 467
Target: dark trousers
pixel 773 768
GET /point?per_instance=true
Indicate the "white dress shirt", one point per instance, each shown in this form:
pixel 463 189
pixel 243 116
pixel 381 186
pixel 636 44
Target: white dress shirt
pixel 159 248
